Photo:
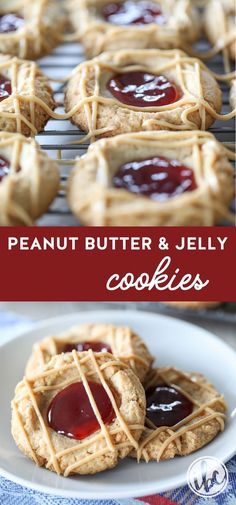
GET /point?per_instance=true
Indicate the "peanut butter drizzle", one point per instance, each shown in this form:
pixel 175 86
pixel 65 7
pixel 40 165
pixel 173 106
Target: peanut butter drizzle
pixel 190 103
pixel 90 104
pixel 24 36
pixel 206 410
pixel 17 142
pixel 205 192
pixel 106 433
pixel 126 354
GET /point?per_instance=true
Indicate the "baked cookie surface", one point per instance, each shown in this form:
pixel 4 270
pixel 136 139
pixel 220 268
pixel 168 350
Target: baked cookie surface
pixel 129 91
pixel 232 95
pixel 30 29
pixel 120 341
pixel 219 22
pixel 29 180
pixel 25 96
pixel 103 25
pixel 194 165
pixel 194 305
pixel 82 414
pixel 184 413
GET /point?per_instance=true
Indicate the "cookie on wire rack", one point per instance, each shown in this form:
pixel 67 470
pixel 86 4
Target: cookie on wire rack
pixel 153 179
pixel 103 25
pixel 30 29
pixel 136 90
pixel 29 180
pixel 26 98
pixel 220 28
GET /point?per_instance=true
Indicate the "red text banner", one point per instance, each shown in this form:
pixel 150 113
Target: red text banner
pixel 118 264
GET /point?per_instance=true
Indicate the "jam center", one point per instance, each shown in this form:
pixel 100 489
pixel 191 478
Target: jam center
pixel 5 87
pixel 159 178
pixel 4 167
pixel 142 89
pixel 10 22
pixel 70 412
pixel 133 13
pixel 166 406
pixel 85 346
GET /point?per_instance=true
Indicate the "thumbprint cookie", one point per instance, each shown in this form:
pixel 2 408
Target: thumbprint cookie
pixel 120 341
pixel 29 180
pixel 136 90
pixel 220 25
pixel 30 29
pixel 184 413
pixel 153 179
pixel 82 414
pixel 26 98
pixel 104 25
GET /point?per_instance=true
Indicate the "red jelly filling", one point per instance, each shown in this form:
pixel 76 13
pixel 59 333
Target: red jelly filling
pixel 70 412
pixel 142 89
pixel 10 22
pixel 158 178
pixel 85 346
pixel 133 13
pixel 5 87
pixel 4 167
pixel 166 406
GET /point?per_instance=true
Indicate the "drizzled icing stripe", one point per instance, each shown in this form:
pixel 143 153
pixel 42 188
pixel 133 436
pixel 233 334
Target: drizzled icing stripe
pixel 13 106
pixel 106 433
pixel 206 410
pixel 44 350
pixel 36 25
pixel 204 199
pixel 165 33
pixel 90 104
pixel 11 208
pixel 172 33
pixel 175 60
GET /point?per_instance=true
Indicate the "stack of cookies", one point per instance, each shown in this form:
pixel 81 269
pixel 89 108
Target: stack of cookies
pixel 92 397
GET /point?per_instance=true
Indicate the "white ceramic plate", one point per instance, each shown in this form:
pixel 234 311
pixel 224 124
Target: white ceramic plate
pixel 173 342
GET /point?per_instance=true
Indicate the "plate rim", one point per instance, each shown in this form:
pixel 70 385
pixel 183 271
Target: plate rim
pixel 150 489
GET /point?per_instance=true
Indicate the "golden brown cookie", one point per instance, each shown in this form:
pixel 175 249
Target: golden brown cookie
pixel 120 341
pixel 103 25
pixel 29 180
pixel 128 91
pixel 220 28
pixel 26 97
pixel 184 413
pixel 105 187
pixel 194 305
pixel 30 29
pixel 82 414
pixel 232 96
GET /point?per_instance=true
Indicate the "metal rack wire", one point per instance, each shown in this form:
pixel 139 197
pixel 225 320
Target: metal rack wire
pixel 59 135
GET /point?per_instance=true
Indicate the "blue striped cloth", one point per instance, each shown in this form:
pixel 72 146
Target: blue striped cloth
pixel 14 494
